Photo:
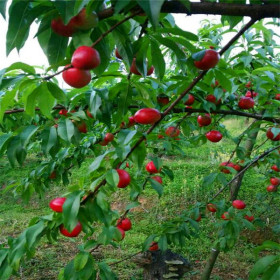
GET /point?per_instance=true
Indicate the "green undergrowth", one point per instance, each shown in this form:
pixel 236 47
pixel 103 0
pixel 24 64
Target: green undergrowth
pixel 185 190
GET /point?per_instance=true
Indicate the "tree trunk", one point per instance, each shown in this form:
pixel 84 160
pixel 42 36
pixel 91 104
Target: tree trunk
pixel 210 264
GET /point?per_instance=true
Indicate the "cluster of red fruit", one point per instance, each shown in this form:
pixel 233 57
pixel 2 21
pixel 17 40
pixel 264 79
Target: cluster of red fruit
pixel 270 135
pixel 275 182
pixel 57 206
pixel 82 21
pixel 238 204
pixel 237 167
pixel 83 60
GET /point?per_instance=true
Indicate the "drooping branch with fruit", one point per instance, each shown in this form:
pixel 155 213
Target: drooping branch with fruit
pixel 113 116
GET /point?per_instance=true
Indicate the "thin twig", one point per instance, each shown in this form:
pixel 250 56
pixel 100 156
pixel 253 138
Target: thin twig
pixel 127 258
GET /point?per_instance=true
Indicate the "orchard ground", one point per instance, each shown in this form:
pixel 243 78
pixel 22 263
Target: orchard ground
pixel 184 191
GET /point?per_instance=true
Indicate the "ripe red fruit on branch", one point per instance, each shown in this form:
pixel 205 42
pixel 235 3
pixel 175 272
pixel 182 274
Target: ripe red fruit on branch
pixel 109 137
pixel 190 100
pixel 204 120
pixel 57 203
pixel 214 136
pixel 249 218
pixel 160 136
pixel 124 224
pixel 89 114
pixel 251 94
pixel 85 58
pixel 273 137
pixel 117 54
pixel 225 216
pixel 172 131
pixel 75 232
pixel 162 100
pixel 212 98
pixel 275 168
pixel 131 121
pixel 63 112
pixel 82 127
pixel 246 103
pixel 151 168
pixel 76 78
pixel 158 179
pixel 84 21
pixel 271 188
pixel 147 116
pixel 52 175
pixel 212 207
pixel 61 29
pixel 249 84
pixel 122 232
pixel 153 246
pixel 198 218
pixel 238 204
pixel 134 70
pixel 275 181
pixel 124 178
pixel 277 96
pixel 209 60
pixel 229 164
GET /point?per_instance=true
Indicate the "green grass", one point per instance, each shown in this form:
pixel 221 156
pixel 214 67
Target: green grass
pixel 184 191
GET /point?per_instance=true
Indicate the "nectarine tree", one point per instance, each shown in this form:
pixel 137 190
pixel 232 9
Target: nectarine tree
pixel 133 71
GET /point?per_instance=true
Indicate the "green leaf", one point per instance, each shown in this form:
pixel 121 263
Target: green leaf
pixel 65 129
pixel 3 4
pixel 120 5
pixel 112 177
pixel 139 154
pixel 97 162
pixel 261 265
pixel 21 16
pixel 157 59
pixel 55 48
pixel 6 100
pixel 179 32
pixel 12 149
pixel 209 179
pixel 33 232
pixel 223 80
pixel 66 9
pixel 198 56
pixel 95 103
pixel 162 243
pixel 4 140
pixel 157 187
pixel 56 91
pixel 232 20
pixel 27 133
pixel 125 136
pixel 49 139
pixel 81 260
pixel 45 100
pixel 71 208
pixel 132 205
pixel 180 55
pixel 152 9
pixel 31 99
pixel 23 66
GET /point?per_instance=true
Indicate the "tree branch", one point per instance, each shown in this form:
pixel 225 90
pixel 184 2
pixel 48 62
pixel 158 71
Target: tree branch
pixel 253 11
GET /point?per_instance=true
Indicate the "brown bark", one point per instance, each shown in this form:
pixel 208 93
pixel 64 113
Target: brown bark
pixel 208 8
